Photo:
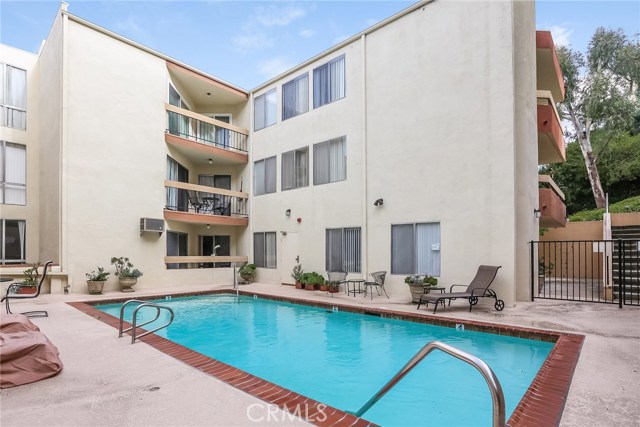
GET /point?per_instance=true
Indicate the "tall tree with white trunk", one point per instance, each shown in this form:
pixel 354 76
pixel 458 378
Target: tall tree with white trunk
pixel 601 92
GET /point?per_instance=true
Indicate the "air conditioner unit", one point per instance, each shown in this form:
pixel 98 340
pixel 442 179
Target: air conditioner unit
pixel 151 225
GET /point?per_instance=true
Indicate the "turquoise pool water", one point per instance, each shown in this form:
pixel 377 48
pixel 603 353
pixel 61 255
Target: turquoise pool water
pixel 342 359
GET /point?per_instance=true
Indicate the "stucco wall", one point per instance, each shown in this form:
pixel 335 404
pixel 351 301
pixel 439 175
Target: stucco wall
pixel 29 138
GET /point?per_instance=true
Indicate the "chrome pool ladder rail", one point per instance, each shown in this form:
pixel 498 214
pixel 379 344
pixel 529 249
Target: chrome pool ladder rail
pixel 134 322
pixel 497 395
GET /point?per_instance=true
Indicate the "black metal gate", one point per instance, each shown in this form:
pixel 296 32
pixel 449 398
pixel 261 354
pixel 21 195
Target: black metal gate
pixel 602 271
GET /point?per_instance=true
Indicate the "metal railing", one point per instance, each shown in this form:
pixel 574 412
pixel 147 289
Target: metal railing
pixel 134 322
pixel 205 203
pixel 207 133
pixel 497 396
pixel 600 271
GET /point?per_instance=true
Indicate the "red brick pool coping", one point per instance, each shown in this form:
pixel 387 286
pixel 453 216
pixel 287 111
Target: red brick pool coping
pixel 542 404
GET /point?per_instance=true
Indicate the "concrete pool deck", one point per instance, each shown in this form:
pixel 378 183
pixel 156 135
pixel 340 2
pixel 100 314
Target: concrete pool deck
pixel 108 382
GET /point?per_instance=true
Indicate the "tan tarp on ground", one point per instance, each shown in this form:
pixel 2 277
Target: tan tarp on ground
pixel 25 356
pixel 16 323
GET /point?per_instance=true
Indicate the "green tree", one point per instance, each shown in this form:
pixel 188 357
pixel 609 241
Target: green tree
pixel 601 94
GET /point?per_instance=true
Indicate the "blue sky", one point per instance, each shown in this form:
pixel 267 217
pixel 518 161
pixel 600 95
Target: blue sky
pixel 248 42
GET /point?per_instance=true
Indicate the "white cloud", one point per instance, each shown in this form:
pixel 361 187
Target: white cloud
pixel 273 67
pixel 307 33
pixel 250 41
pixel 561 35
pixel 274 16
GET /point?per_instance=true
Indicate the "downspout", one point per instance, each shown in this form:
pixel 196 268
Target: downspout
pixel 63 244
pixel 365 198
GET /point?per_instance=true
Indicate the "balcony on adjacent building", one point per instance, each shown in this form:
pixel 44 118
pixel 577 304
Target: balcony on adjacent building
pixel 548 72
pixel 553 211
pixel 198 136
pixel 551 148
pixel 201 204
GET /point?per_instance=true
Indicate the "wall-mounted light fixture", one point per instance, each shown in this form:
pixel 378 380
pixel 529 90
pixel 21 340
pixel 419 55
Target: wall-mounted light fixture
pixel 537 213
pixel 284 233
pixel 287 213
pixel 210 161
pixel 208 226
pixel 378 202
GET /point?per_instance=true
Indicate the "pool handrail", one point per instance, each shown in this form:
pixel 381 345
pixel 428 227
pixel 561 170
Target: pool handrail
pixel 134 320
pixel 497 395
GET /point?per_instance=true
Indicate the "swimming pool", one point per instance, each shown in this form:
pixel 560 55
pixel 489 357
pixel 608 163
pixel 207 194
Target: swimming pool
pixel 342 358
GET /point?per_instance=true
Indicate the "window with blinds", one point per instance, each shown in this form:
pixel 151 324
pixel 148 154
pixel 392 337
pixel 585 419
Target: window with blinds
pixel 343 249
pixel 330 161
pixel 415 248
pixel 12 241
pixel 295 169
pixel 13 174
pixel 13 97
pixel 329 82
pixel 264 249
pixel 295 97
pixel 264 110
pixel 264 174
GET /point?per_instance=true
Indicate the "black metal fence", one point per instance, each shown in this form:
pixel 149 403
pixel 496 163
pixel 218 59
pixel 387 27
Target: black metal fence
pixel 205 203
pixel 197 130
pixel 602 271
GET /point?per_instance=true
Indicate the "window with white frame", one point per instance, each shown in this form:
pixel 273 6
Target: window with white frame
pixel 342 251
pixel 264 176
pixel 415 248
pixel 295 169
pixel 264 249
pixel 264 110
pixel 295 97
pixel 330 161
pixel 12 243
pixel 13 97
pixel 13 174
pixel 329 82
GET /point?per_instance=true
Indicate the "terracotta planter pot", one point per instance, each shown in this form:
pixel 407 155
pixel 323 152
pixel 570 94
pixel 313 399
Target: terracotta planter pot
pixel 333 289
pixel 127 283
pixel 324 288
pixel 24 290
pixel 298 285
pixel 95 286
pixel 309 287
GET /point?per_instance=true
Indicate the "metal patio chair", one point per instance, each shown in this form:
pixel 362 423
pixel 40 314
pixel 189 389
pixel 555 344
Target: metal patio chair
pixel 378 283
pixel 478 288
pixel 9 296
pixel 336 278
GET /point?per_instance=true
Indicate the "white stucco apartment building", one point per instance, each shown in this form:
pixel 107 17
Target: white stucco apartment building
pixel 412 147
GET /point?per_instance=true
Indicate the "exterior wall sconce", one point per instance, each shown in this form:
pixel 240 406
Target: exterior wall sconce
pixel 378 202
pixel 537 213
pixel 287 213
pixel 210 161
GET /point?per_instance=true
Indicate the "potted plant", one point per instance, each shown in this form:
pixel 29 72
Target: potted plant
pixel 296 275
pixel 333 287
pixel 30 282
pixel 312 281
pixel 126 272
pixel 247 272
pixel 95 281
pixel 419 285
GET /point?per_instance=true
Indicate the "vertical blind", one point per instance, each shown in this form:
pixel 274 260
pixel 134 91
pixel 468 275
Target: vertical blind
pixel 330 161
pixel 264 174
pixel 264 250
pixel 415 249
pixel 295 97
pixel 13 97
pixel 13 174
pixel 343 249
pixel 295 169
pixel 264 110
pixel 172 175
pixel 329 82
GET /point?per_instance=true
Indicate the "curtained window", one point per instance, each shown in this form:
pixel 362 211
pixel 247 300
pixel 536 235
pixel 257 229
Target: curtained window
pixel 330 161
pixel 415 248
pixel 329 82
pixel 177 244
pixel 295 97
pixel 12 241
pixel 13 97
pixel 264 175
pixel 343 249
pixel 13 174
pixel 295 169
pixel 264 249
pixel 264 110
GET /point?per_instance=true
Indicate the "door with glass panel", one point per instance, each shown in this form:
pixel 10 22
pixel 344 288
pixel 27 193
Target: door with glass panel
pixel 177 198
pixel 221 203
pixel 179 124
pixel 177 246
pixel 290 256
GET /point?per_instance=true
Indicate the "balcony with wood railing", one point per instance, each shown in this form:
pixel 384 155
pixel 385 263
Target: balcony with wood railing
pixel 200 137
pixel 201 204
